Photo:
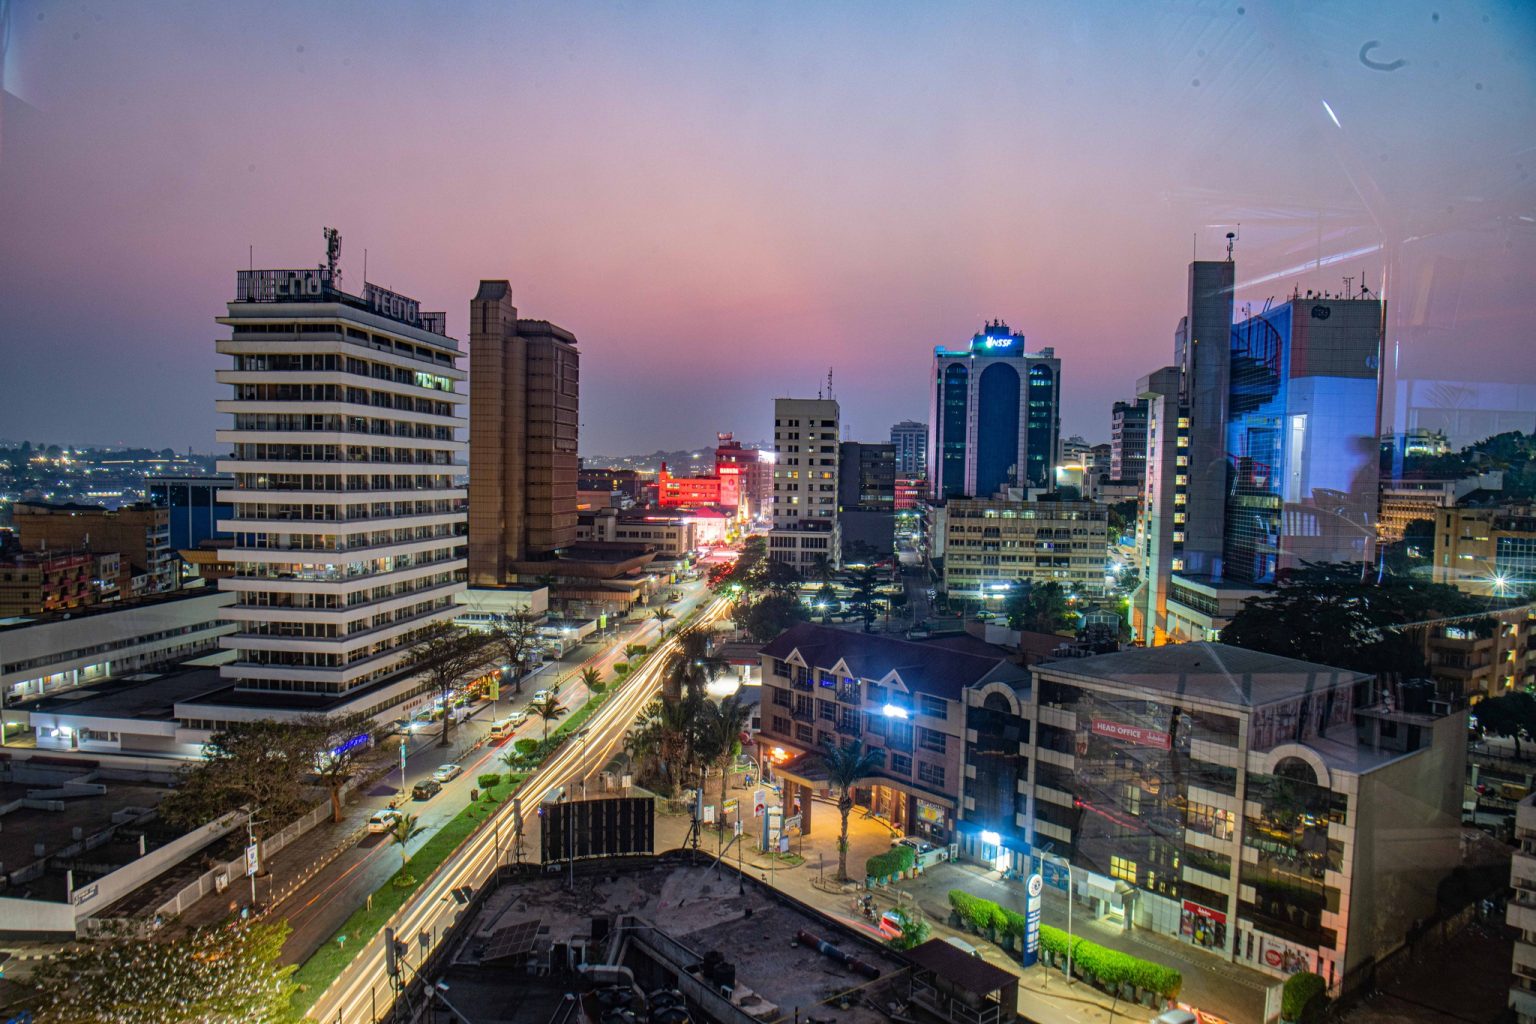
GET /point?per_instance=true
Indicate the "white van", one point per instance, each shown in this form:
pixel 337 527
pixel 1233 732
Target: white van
pixel 502 728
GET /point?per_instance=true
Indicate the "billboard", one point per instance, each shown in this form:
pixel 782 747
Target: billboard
pixel 611 827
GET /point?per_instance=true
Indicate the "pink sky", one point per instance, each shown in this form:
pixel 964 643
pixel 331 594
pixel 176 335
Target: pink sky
pixel 723 201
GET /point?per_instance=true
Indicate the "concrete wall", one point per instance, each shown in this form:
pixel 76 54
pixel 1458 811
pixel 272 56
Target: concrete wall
pixel 1407 829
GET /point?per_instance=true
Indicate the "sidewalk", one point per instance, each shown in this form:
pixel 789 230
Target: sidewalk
pixel 1211 983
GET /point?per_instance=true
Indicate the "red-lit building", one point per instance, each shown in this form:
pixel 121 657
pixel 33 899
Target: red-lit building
pixel 910 491
pixel 686 491
pixel 753 470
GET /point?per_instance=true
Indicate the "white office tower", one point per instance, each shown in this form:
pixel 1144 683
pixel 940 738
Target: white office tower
pixel 805 443
pixel 349 514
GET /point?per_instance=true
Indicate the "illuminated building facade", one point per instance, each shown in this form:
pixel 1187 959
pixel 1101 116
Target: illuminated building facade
pixel 805 483
pixel 1280 814
pixel 910 439
pixel 348 517
pixel 991 543
pixel 686 491
pixel 995 416
pixel 903 700
pixel 1486 551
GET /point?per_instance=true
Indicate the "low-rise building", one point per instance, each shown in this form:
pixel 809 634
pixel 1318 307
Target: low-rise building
pixel 1486 551
pixel 1484 656
pixel 825 686
pixel 991 542
pixel 1270 811
pixel 139 533
pixel 45 655
pixel 43 582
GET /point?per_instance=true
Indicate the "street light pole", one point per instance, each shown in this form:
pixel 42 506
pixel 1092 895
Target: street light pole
pixel 1064 862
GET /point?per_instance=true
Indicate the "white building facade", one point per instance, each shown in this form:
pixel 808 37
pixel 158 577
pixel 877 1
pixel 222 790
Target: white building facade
pixel 805 478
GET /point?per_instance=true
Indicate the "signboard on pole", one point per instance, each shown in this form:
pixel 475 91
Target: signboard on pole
pixel 1033 888
pixel 252 859
pixel 759 802
pixel 793 821
pixel 731 805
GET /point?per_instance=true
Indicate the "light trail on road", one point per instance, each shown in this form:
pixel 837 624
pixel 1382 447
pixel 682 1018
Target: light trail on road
pixel 364 984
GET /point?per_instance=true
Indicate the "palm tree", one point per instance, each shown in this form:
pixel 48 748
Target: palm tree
pixel 592 679
pixel 846 768
pixel 663 616
pixel 548 709
pixel 667 728
pixel 404 831
pixel 693 666
pixel 719 738
pixel 822 568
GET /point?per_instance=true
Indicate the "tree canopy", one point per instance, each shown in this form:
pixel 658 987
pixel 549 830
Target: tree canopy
pixel 1328 614
pixel 1038 607
pixel 263 764
pixel 207 977
pixel 772 615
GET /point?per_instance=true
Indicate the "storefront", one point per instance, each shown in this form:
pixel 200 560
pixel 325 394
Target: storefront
pixel 1203 926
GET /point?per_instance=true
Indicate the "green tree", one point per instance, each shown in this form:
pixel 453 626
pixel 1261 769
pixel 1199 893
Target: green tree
pixel 339 743
pixel 719 732
pixel 447 654
pixel 826 602
pixel 914 930
pixel 846 768
pixel 663 616
pixel 549 709
pixel 592 679
pixel 772 615
pixel 513 640
pixel 211 975
pixel 405 828
pixel 665 734
pixel 862 600
pixel 1511 714
pixel 1038 607
pixel 261 765
pixel 1334 614
pixel 822 568
pixel 692 667
pixel 1122 517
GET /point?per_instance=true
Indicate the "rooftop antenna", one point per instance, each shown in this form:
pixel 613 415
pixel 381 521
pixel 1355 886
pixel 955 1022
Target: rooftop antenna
pixel 1364 291
pixel 365 266
pixel 250 256
pixel 1349 287
pixel 829 382
pixel 332 252
pixel 1231 237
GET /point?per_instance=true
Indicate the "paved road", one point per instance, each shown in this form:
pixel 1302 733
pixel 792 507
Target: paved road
pixel 424 918
pixel 324 903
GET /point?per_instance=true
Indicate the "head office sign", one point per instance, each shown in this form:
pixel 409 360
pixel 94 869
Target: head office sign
pixel 1032 889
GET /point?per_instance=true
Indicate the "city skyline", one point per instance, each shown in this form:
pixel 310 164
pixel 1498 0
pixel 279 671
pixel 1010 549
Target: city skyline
pixel 780 195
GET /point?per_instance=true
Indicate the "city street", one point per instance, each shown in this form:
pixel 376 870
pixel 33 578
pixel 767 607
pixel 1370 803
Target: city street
pixel 1215 985
pixel 430 910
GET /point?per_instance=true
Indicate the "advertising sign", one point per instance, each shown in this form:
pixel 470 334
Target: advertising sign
pixel 1032 888
pixel 731 805
pixel 1131 734
pixel 759 802
pixel 252 859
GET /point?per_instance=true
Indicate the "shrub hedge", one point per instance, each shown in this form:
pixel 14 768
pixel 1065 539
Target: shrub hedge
pixel 487 780
pixel 1109 966
pixel 894 861
pixel 1299 992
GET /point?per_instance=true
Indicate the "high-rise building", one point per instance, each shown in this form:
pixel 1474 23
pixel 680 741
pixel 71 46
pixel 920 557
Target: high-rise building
pixel 866 500
pixel 524 390
pixel 348 514
pixel 1261 452
pixel 805 477
pixel 911 440
pixel 990 543
pixel 995 416
pixel 1128 441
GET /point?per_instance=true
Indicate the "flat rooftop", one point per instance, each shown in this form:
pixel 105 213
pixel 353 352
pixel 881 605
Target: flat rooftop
pixel 140 696
pixel 697 912
pixel 1213 672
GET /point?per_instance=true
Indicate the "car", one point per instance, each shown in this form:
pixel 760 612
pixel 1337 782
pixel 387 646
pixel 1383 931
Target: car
pixel 540 695
pixel 447 773
pixel 426 789
pixel 964 947
pixel 1175 1017
pixel 918 843
pixel 384 821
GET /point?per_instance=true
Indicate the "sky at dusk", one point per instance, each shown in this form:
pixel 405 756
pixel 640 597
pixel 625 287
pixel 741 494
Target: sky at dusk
pixel 724 200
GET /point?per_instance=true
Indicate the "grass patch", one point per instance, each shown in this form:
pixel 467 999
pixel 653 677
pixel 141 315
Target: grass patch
pixel 322 968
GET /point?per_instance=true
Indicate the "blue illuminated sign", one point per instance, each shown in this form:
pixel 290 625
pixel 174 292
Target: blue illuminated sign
pixel 1033 888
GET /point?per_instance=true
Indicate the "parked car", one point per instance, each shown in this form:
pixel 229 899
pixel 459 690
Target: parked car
pixel 426 789
pixel 1175 1017
pixel 447 773
pixel 383 821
